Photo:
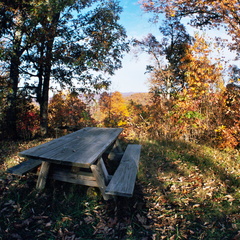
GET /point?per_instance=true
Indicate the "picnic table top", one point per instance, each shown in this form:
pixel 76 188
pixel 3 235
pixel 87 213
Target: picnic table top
pixel 81 148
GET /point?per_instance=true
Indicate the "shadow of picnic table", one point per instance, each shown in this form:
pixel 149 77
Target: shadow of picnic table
pixel 68 211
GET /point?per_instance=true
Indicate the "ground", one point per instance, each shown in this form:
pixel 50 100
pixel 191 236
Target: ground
pixel 183 191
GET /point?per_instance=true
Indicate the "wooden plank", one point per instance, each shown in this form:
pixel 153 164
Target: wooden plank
pixel 43 174
pixel 25 167
pixel 99 176
pixel 123 180
pixel 104 170
pixel 53 144
pixel 82 178
pixel 116 152
pixel 87 150
pixel 80 148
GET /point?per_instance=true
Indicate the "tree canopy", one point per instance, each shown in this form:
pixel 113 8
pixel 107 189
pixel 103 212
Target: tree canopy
pixel 72 43
pixel 213 13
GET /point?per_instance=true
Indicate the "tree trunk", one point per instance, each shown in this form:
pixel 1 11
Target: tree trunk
pixel 11 116
pixel 47 74
pixel 44 108
pixel 45 90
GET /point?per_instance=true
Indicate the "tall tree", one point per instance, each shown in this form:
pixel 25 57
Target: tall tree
pixel 114 109
pixel 76 43
pixel 72 41
pixel 67 110
pixel 166 74
pixel 15 25
pixel 201 74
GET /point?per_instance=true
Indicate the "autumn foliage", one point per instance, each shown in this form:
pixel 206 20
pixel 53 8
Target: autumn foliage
pixel 189 97
pixel 67 110
pixel 114 110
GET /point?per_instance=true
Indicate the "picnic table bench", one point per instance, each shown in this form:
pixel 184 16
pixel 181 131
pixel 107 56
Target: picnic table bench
pixel 78 158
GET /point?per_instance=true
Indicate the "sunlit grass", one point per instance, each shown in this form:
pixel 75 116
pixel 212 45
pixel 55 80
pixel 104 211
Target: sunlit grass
pixel 189 182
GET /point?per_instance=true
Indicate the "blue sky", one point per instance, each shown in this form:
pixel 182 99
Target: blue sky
pixel 131 77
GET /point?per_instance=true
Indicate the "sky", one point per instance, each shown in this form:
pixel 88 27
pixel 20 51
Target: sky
pixel 131 77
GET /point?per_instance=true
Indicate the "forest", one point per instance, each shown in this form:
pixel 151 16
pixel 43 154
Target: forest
pixel 56 62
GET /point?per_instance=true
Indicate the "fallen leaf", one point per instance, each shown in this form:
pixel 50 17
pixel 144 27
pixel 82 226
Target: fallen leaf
pixel 141 219
pixel 112 222
pixel 49 224
pixel 88 220
pixel 64 219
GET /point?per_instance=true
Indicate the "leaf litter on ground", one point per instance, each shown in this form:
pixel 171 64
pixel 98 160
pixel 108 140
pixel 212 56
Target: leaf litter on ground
pixel 183 191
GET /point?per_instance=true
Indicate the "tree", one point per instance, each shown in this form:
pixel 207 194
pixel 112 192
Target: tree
pixel 71 42
pixel 67 110
pixel 217 13
pixel 114 109
pixel 74 46
pixel 194 79
pixel 166 74
pixel 201 74
pixel 15 25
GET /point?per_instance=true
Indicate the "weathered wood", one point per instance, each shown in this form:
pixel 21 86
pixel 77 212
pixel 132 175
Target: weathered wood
pixel 43 174
pixel 118 146
pixel 99 175
pixel 103 168
pixel 82 178
pixel 81 148
pixel 116 152
pixel 25 167
pixel 113 156
pixel 123 180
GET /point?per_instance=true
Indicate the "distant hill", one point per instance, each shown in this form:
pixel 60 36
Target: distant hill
pixel 140 98
pixel 127 94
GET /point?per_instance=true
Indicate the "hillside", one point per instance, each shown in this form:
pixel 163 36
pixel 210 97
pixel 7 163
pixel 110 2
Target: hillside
pixel 140 98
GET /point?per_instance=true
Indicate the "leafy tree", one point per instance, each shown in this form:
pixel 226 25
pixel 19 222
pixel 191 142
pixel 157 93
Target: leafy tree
pixel 27 116
pixel 78 39
pixel 114 109
pixel 215 13
pixel 71 42
pixel 187 114
pixel 15 25
pixel 228 131
pixel 201 74
pixel 167 76
pixel 67 110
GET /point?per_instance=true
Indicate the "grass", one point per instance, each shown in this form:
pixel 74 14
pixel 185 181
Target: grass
pixel 193 190
pixel 183 191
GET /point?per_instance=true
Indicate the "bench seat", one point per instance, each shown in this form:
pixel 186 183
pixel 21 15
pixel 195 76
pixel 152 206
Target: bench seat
pixel 123 180
pixel 25 167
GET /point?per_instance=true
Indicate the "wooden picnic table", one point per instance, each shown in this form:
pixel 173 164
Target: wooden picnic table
pixel 80 149
pixel 78 158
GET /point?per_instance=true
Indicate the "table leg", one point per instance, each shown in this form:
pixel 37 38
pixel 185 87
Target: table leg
pixel 118 146
pixel 42 177
pixel 99 172
pixel 116 152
